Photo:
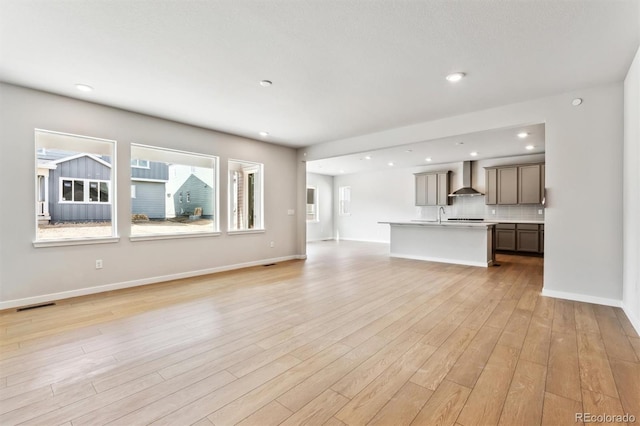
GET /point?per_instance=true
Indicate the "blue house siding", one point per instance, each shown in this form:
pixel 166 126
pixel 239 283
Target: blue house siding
pixel 150 199
pixel 157 171
pixel 195 193
pixel 79 168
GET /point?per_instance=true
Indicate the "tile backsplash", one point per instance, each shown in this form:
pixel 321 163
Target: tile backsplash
pixel 474 207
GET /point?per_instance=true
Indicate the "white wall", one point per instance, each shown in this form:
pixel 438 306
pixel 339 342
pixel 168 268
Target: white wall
pixel 583 218
pixel 323 228
pixel 389 194
pixel 631 203
pixel 31 275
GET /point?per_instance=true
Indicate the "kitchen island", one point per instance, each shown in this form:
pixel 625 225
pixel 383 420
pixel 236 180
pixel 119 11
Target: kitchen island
pixel 463 243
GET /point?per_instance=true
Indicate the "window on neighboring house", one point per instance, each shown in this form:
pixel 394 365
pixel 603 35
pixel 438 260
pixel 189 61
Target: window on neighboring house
pixel 246 192
pixel 84 191
pixel 133 191
pixel 344 201
pixel 175 194
pixel 73 172
pixel 140 164
pixel 312 204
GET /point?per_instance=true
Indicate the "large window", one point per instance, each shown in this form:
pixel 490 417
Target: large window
pixel 245 196
pixel 74 187
pixel 173 193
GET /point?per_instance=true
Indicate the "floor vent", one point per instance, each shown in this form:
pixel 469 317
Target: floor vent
pixel 27 308
pixel 269 264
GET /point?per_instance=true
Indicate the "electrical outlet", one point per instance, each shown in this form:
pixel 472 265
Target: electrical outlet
pixel 291 212
pixel 539 211
pixel 493 211
pixel 272 244
pixel 99 264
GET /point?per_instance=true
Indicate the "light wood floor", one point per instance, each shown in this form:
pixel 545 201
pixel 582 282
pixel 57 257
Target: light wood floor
pixel 349 336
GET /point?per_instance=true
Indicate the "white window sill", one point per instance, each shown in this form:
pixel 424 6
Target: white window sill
pixel 152 237
pixel 246 231
pixel 75 242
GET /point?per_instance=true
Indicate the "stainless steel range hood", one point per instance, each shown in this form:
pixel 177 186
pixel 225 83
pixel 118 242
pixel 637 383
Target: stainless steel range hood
pixel 466 190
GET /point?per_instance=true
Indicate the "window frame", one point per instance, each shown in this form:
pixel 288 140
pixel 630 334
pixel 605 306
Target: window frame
pixel 162 151
pixel 112 188
pixel 316 211
pixel 247 167
pixel 342 201
pixel 86 190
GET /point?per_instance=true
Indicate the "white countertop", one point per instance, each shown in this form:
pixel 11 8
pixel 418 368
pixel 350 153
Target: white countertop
pixel 539 222
pixel 451 224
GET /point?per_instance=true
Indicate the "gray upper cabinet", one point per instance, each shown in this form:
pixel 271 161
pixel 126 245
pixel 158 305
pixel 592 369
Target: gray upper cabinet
pixel 491 191
pixel 518 184
pixel 432 189
pixel 443 189
pixel 529 184
pixel 508 185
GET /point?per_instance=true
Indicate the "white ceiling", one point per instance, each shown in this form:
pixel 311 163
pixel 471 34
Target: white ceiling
pixel 340 68
pixel 488 144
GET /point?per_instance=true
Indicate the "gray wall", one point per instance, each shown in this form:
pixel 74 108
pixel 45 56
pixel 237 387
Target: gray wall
pixel 631 207
pixel 126 262
pixel 83 168
pixel 150 199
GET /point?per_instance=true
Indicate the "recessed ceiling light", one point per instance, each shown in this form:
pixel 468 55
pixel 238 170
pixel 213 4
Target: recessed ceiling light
pixel 341 171
pixel 390 163
pixel 427 159
pixel 529 147
pixel 84 87
pixel 576 101
pixel 266 83
pixel 368 157
pixel 459 143
pixel 523 135
pixel 455 77
pixel 264 134
pixel 474 154
pixel 409 150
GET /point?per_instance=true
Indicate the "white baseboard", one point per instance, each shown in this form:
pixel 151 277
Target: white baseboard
pixel 45 298
pixel 633 319
pixel 363 241
pixel 442 260
pixel 582 298
pixel 315 240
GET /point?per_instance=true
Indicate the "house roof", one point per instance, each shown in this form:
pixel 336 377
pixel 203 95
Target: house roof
pixel 80 155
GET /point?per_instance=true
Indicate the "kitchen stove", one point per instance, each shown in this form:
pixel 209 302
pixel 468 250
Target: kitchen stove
pixel 466 219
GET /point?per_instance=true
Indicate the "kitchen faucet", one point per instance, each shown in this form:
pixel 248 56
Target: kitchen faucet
pixel 440 210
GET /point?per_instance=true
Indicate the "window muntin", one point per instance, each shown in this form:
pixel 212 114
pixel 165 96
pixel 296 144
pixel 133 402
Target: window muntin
pixel 344 201
pixel 175 195
pixel 246 194
pixel 312 204
pixel 73 172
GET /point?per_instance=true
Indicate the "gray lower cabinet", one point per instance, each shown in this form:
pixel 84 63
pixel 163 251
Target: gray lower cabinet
pixel 506 236
pixel 528 238
pixel 520 238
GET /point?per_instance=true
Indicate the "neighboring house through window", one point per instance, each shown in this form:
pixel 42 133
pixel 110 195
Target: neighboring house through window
pixel 74 176
pixel 176 188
